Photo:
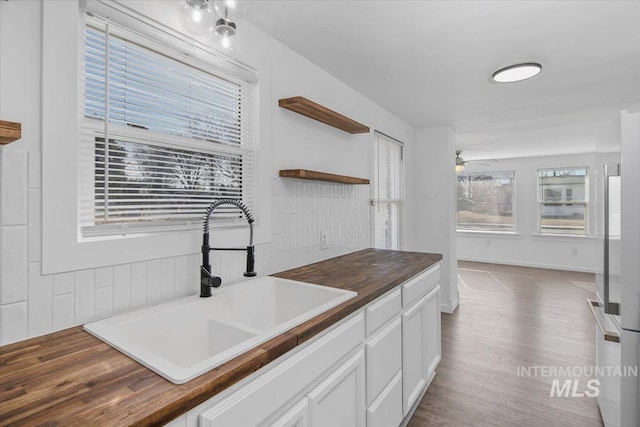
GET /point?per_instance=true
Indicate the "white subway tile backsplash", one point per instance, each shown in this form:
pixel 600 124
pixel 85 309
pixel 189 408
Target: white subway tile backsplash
pixel 181 276
pixel 300 210
pixel 104 277
pixel 138 270
pixel 34 225
pixel 84 296
pixel 154 281
pixel 138 293
pixel 13 322
pixel 121 288
pixel 40 301
pixel 103 302
pixel 13 187
pixel 63 283
pixel 34 177
pixel 63 311
pixel 13 264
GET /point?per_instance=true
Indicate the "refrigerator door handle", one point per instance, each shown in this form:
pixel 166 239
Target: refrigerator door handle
pixel 609 307
pixel 609 335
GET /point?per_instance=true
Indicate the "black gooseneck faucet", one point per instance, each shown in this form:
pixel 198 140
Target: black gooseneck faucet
pixel 207 279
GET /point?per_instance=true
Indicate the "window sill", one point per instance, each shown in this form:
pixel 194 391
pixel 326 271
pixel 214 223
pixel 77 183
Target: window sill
pixel 562 236
pixel 487 233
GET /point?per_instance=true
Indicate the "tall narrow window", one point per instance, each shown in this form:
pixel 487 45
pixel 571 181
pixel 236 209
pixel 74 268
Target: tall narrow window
pixel 163 134
pixel 387 191
pixel 562 200
pixel 486 201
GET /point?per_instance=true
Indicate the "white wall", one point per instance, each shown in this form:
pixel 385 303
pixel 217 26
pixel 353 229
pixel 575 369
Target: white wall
pixel 431 203
pixel 527 247
pixel 295 212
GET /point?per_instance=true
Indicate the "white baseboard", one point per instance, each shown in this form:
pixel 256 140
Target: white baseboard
pixel 450 307
pixel 530 264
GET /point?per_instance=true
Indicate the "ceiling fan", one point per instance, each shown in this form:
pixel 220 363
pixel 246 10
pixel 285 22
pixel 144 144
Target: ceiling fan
pixel 460 162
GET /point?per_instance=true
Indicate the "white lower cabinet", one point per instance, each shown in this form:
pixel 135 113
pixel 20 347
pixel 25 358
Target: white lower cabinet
pixel 298 416
pixel 432 330
pixel 339 400
pixel 386 410
pixel 368 370
pixel 420 346
pixel 414 354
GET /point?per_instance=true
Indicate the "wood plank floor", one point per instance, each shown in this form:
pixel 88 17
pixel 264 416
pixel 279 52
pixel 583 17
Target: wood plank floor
pixel 511 317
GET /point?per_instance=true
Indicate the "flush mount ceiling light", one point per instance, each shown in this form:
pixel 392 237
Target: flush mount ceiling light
pixel 517 72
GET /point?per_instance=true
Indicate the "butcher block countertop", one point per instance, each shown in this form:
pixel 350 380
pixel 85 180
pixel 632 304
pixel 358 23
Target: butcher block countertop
pixel 72 378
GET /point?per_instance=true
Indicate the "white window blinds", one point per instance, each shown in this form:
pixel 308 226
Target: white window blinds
pixel 387 189
pixel 163 135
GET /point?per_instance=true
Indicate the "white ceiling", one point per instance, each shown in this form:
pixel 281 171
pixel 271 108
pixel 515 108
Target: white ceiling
pixel 429 62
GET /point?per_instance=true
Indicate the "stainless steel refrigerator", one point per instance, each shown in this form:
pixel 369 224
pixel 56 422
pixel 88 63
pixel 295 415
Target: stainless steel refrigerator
pixel 617 309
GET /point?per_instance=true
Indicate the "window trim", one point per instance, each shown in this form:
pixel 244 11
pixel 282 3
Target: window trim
pixel 61 248
pixel 173 51
pixel 399 202
pixel 585 203
pixel 514 210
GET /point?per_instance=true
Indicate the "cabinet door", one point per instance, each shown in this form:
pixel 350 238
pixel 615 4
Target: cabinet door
pixel 414 354
pixel 386 410
pixel 298 416
pixel 384 358
pixel 432 330
pixel 339 400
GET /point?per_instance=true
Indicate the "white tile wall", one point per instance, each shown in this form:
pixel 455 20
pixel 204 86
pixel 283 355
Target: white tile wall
pixel 13 263
pixel 32 304
pixel 13 187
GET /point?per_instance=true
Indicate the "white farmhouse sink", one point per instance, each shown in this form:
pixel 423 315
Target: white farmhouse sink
pixel 188 337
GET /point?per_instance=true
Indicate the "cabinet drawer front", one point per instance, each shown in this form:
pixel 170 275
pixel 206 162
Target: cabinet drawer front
pixel 386 411
pixel 252 404
pixel 420 285
pixel 380 312
pixel 384 358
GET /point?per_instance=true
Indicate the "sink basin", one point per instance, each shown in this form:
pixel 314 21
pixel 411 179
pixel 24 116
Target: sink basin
pixel 185 338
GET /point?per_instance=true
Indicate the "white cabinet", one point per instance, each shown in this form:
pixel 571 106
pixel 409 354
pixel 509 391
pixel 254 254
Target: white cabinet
pixel 420 346
pixel 271 389
pixel 298 416
pixel 339 400
pixel 432 330
pixel 414 354
pixel 386 410
pixel 384 358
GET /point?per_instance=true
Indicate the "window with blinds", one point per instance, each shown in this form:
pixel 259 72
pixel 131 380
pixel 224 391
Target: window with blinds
pixel 563 200
pixel 387 191
pixel 163 135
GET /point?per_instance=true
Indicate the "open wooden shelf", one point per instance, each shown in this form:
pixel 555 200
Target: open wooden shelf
pixel 321 176
pixel 322 114
pixel 9 131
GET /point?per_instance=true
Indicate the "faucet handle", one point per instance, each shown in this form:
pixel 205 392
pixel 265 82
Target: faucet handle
pixel 251 262
pixel 207 279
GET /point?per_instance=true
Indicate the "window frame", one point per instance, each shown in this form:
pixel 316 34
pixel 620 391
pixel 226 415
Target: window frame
pixel 99 126
pixel 585 203
pixel 62 109
pixel 513 204
pixel 399 202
